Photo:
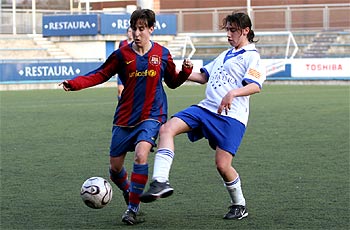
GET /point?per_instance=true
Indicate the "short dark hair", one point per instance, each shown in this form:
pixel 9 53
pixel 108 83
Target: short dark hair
pixel 241 20
pixel 146 15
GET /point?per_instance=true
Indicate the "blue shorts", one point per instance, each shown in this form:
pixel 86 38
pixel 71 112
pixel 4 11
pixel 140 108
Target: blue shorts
pixel 221 131
pixel 125 139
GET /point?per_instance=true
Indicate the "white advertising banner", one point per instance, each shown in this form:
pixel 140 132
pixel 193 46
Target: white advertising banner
pixel 197 64
pixel 321 67
pixel 274 65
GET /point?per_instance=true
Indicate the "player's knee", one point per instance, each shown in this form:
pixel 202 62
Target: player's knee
pixel 115 167
pixel 116 164
pixel 222 167
pixel 173 127
pixel 165 130
pixel 141 153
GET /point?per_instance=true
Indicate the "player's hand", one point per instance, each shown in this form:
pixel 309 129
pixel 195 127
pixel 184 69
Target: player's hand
pixel 187 63
pixel 225 104
pixel 66 85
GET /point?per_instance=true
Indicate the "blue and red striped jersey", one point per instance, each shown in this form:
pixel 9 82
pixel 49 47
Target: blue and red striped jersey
pixel 123 43
pixel 143 96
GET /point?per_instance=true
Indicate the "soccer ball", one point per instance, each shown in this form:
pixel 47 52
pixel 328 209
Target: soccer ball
pixel 96 192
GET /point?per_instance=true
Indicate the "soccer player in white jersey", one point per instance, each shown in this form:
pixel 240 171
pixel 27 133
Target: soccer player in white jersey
pixel 221 117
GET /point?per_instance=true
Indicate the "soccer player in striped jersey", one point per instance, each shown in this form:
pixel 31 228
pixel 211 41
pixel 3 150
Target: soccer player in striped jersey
pixel 221 117
pixel 142 66
pixel 128 39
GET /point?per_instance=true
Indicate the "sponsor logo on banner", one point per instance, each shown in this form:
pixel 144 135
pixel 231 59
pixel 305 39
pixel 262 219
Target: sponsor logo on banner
pixel 322 67
pixel 44 71
pixel 66 25
pixel 118 23
pixel 275 67
pixel 48 71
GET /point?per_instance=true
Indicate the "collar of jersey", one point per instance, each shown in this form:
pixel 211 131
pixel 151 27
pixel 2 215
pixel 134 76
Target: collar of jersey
pixel 230 54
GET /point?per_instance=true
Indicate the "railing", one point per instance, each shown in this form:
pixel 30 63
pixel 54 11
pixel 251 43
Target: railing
pixel 264 18
pixel 289 43
pixel 188 41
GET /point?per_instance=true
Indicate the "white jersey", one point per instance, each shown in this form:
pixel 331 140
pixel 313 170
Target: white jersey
pixel 233 69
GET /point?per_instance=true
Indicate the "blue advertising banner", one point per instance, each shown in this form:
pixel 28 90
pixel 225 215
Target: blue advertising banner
pixel 14 72
pixel 166 24
pixel 114 23
pixel 68 25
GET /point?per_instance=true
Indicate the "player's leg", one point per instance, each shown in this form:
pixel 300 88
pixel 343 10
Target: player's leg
pixel 160 186
pixel 119 175
pixel 225 137
pixel 138 180
pixel 165 152
pixel 223 160
pixel 145 135
pixel 119 146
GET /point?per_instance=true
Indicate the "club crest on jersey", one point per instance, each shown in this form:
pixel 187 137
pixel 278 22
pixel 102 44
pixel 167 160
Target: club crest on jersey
pixel 154 60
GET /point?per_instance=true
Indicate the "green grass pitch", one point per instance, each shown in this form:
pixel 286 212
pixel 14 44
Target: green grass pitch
pixel 294 162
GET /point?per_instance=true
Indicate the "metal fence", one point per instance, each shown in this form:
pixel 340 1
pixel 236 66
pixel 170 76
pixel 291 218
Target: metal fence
pixel 264 18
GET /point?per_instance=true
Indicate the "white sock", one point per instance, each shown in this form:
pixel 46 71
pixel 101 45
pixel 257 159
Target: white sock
pixel 235 190
pixel 162 164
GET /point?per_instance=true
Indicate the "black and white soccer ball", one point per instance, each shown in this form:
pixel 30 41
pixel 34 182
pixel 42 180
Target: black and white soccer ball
pixel 96 192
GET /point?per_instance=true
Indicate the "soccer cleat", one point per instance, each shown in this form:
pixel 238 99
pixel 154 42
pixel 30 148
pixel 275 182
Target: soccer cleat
pixel 156 190
pixel 236 212
pixel 129 217
pixel 126 197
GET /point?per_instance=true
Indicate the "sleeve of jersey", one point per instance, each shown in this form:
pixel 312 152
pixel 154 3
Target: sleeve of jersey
pixel 173 79
pixel 97 76
pixel 207 68
pixel 256 72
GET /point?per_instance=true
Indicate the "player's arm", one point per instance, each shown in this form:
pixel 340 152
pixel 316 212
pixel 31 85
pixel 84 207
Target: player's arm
pixel 174 78
pixel 247 90
pixel 95 77
pixel 66 86
pixel 252 83
pixel 200 78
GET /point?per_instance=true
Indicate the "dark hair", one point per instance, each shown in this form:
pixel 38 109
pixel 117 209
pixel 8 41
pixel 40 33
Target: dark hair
pixel 241 20
pixel 146 15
